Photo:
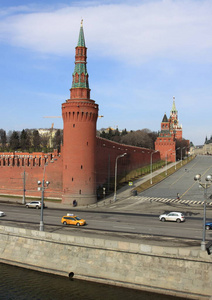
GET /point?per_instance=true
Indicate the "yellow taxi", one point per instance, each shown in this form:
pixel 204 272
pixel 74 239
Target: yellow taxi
pixel 71 219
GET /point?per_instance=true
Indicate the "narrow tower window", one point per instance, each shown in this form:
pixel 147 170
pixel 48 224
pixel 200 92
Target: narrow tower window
pixel 82 77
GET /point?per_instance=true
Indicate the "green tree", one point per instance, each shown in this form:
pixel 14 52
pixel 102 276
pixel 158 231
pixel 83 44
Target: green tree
pixel 124 132
pixel 36 140
pixel 25 143
pixel 103 134
pixel 14 141
pixel 44 141
pixel 57 139
pixel 183 147
pixel 3 139
pixel 110 134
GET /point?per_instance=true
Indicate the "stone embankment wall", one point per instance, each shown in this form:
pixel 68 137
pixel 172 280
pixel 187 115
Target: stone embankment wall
pixel 175 271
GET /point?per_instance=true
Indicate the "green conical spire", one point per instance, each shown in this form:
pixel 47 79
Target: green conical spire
pixel 81 40
pixel 80 75
pixel 173 106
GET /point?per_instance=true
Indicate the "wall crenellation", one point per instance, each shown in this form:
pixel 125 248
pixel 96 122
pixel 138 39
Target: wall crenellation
pixel 12 159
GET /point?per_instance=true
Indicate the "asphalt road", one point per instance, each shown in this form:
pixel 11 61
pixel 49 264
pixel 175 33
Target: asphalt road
pixel 134 218
pixel 183 182
pixel 133 225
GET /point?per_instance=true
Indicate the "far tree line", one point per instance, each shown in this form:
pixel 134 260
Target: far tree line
pixel 144 138
pixel 29 140
pixel 140 138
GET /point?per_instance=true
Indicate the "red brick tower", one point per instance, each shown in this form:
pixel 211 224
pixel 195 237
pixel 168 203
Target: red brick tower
pixel 175 128
pixel 165 142
pixel 80 114
pixel 170 132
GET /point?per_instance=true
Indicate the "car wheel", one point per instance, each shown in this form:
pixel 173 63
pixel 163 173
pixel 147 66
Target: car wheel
pixel 37 206
pixel 65 223
pixel 207 227
pixel 163 219
pixel 78 224
pixel 27 206
pixel 178 220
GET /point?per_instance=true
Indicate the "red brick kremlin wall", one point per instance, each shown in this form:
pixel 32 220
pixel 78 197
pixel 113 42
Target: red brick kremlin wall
pixel 13 164
pixel 107 151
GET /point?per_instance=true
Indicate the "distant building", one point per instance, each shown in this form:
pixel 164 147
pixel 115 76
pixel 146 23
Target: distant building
pixel 205 149
pixel 49 133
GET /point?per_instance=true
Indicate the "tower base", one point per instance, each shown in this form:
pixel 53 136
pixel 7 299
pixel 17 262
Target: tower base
pixel 82 200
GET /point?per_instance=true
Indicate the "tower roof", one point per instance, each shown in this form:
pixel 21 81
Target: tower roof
pixel 80 75
pixel 165 119
pixel 81 40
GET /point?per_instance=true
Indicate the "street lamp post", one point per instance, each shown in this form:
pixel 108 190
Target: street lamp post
pixel 24 187
pixel 42 197
pixel 104 192
pixel 176 157
pixel 24 184
pixel 151 164
pixel 166 159
pixel 205 187
pixel 122 155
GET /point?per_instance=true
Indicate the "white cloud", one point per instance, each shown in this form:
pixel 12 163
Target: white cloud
pixel 131 32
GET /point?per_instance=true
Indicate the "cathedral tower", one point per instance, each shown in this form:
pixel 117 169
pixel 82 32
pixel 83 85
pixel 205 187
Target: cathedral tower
pixel 80 114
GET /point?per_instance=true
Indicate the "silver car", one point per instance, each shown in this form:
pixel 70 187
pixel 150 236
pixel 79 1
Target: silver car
pixel 172 216
pixel 34 204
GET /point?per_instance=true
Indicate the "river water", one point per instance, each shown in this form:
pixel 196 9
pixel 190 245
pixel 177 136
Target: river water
pixel 22 284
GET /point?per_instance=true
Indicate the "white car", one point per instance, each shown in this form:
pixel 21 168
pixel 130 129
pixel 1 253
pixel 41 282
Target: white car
pixel 2 214
pixel 35 204
pixel 172 216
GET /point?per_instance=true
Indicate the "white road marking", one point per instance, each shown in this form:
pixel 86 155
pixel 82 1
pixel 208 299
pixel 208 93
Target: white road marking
pixel 124 227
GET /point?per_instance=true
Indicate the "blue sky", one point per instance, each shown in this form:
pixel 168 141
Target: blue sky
pixel 140 55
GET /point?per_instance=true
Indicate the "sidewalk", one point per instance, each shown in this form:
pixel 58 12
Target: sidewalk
pixel 121 194
pixel 126 191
